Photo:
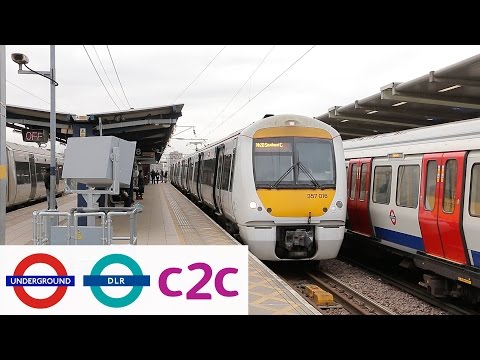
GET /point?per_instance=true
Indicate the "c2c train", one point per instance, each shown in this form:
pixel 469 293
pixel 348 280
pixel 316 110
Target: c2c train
pixel 279 182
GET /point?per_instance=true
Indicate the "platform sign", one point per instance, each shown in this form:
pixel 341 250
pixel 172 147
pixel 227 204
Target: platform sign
pixel 35 135
pixel 124 279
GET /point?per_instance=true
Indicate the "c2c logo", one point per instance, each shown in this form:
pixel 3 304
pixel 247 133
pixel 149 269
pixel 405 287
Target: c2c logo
pixel 193 293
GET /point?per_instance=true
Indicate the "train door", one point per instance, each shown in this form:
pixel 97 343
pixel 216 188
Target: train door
pixel 359 175
pixel 218 178
pixel 33 176
pixel 443 176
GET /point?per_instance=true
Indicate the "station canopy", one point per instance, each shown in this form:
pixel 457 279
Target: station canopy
pixel 441 96
pixel 151 127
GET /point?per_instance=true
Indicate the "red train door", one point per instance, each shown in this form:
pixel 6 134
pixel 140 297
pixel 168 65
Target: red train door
pixel 352 193
pixel 440 212
pixel 359 194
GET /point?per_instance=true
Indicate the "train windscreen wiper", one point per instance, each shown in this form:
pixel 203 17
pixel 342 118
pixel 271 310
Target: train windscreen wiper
pixel 274 186
pixel 309 174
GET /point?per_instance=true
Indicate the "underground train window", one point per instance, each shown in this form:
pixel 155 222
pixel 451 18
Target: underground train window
pixel 475 191
pixel 450 187
pixel 363 182
pixel 353 181
pixel 408 179
pixel 431 185
pixel 382 180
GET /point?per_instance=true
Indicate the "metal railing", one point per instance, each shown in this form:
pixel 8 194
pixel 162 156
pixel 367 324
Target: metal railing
pixel 42 231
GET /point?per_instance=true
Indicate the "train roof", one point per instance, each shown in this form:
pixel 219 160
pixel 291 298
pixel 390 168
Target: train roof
pixel 456 136
pixel 31 149
pixel 271 121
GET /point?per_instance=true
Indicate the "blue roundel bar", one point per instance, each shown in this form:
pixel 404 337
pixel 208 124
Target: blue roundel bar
pixel 116 280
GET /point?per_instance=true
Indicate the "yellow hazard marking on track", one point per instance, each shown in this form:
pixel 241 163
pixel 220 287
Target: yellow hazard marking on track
pixel 3 172
pixel 467 281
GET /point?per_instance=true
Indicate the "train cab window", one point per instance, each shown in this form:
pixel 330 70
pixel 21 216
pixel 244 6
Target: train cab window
pixel 353 182
pixel 363 182
pixel 23 172
pixel 294 162
pixel 450 187
pixel 382 180
pixel 475 191
pixel 430 185
pixel 322 167
pixel 408 179
pixel 273 157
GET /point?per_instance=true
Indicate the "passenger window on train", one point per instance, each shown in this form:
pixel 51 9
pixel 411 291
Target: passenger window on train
pixel 450 187
pixel 408 179
pixel 363 182
pixel 227 159
pixel 430 185
pixel 475 191
pixel 382 181
pixel 23 172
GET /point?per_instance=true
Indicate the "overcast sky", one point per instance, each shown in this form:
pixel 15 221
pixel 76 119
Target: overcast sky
pixel 158 75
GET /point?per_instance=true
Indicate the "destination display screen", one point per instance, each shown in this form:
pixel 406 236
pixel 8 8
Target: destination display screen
pixel 272 146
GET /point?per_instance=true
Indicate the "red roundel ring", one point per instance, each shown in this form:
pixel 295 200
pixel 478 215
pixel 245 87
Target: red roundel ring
pixel 37 259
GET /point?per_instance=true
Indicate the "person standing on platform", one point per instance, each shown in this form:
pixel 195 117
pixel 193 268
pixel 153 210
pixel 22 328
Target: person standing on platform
pixel 152 175
pixel 141 185
pixel 46 180
pixel 165 179
pixel 157 176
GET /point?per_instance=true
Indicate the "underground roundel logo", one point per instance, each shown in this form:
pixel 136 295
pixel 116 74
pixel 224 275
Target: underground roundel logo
pixel 393 217
pixel 19 281
pixel 96 280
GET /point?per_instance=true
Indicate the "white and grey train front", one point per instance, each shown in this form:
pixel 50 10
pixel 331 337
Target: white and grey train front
pixel 289 199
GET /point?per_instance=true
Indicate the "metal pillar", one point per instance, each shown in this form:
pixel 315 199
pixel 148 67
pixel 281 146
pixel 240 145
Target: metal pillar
pixel 86 130
pixel 3 144
pixel 53 131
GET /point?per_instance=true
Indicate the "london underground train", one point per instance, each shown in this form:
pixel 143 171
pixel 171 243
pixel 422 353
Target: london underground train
pixel 417 193
pixel 26 167
pixel 279 182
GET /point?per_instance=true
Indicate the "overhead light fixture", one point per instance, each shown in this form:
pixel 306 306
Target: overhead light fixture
pixel 400 103
pixel 372 112
pixel 375 131
pixel 430 119
pixel 450 88
pixel 344 120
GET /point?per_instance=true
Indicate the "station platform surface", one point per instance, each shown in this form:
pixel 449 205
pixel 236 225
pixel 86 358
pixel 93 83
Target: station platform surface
pixel 169 218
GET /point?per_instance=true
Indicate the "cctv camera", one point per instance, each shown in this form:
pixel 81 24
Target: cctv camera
pixel 20 59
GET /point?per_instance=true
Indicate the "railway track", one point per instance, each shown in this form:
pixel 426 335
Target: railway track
pixel 349 298
pixel 413 289
pixel 344 296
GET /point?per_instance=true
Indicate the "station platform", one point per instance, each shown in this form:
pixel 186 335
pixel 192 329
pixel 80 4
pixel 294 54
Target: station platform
pixel 169 218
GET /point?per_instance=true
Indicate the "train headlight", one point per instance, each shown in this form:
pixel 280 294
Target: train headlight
pixel 339 204
pixel 253 204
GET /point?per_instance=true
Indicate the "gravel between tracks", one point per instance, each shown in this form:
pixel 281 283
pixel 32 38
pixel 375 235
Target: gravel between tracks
pixel 374 288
